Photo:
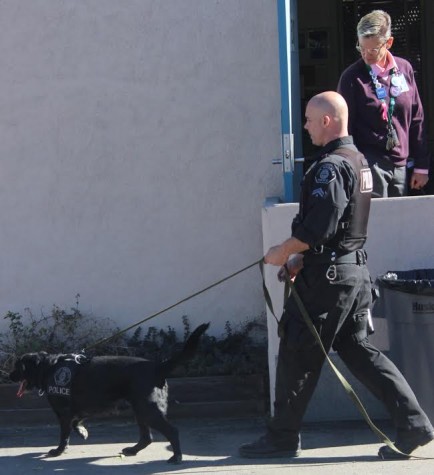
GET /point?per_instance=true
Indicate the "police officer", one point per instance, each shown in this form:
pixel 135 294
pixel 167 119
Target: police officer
pixel 325 254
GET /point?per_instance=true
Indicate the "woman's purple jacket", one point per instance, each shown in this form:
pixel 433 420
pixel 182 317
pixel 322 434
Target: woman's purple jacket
pixel 367 126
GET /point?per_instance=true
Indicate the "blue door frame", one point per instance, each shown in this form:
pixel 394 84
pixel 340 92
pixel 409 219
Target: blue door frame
pixel 290 98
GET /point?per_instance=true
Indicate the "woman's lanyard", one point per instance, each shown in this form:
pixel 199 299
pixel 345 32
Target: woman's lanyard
pixel 380 92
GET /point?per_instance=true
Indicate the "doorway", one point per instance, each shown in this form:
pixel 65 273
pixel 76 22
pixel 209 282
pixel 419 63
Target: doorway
pixel 327 38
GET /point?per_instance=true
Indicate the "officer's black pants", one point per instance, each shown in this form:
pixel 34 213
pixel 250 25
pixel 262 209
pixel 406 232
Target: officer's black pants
pixel 339 310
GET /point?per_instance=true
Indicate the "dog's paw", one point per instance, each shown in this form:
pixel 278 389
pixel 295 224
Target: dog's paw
pixel 56 452
pixel 82 432
pixel 129 451
pixel 175 459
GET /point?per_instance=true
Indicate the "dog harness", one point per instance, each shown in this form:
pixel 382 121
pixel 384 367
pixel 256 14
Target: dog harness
pixel 61 376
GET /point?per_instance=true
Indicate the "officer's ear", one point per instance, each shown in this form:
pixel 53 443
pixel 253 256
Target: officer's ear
pixel 326 120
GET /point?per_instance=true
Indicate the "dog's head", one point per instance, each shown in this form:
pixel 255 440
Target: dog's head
pixel 28 371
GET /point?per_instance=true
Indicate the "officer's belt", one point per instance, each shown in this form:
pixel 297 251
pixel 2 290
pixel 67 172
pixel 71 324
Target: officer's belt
pixel 328 256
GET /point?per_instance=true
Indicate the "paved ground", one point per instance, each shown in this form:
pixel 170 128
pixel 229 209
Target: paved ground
pixel 209 445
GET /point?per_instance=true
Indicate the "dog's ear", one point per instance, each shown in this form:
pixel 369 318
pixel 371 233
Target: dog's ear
pixel 42 357
pixel 45 360
pixel 29 360
pixel 20 365
pixel 32 360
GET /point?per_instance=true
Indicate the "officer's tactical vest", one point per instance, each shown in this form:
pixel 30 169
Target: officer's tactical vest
pixel 353 227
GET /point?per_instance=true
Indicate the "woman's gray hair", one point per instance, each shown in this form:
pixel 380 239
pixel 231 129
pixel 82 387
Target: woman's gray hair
pixel 377 23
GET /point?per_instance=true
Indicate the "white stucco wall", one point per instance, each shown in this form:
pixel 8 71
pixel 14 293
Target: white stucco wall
pixel 400 237
pixel 136 139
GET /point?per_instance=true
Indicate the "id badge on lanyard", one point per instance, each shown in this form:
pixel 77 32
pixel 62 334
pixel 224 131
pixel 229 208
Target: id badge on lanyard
pixel 380 92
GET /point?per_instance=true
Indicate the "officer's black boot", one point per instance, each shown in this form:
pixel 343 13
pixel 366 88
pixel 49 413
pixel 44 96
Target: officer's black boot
pixel 268 447
pixel 406 442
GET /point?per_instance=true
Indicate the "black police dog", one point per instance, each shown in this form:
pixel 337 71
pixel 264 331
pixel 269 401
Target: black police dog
pixel 97 384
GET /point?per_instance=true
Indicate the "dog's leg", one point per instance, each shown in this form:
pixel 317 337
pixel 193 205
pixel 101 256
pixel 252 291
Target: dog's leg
pixel 144 441
pixel 157 420
pixel 171 433
pixel 65 431
pixel 80 429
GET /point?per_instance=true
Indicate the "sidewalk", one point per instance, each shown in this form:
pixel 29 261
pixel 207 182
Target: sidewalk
pixel 209 446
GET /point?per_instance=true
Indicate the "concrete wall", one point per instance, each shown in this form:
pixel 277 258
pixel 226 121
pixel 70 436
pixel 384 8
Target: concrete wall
pixel 400 237
pixel 136 139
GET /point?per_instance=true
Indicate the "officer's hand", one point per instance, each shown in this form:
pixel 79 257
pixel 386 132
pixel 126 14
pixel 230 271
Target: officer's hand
pixel 276 256
pixel 291 268
pixel 418 181
pixel 294 265
pixel 283 274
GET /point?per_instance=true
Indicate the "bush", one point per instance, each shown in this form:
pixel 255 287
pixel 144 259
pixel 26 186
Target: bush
pixel 241 350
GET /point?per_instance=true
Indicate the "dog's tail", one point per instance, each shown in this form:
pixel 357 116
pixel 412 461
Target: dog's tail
pixel 188 351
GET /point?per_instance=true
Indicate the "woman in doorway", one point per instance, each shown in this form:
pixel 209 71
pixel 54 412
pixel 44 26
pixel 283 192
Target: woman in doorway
pixel 386 116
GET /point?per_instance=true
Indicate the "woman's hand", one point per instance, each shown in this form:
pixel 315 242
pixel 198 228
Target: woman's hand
pixel 418 181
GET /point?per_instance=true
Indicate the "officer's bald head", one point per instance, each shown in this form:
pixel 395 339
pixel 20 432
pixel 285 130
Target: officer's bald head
pixel 331 103
pixel 326 117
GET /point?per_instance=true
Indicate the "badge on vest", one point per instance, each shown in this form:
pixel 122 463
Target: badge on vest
pixel 325 174
pixel 366 182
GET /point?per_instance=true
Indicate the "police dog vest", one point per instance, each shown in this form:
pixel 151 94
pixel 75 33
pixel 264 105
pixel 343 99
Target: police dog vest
pixel 59 381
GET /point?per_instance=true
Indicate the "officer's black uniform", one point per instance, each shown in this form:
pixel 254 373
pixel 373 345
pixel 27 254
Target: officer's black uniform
pixel 335 288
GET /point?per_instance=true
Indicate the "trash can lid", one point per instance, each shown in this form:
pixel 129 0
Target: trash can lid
pixel 416 281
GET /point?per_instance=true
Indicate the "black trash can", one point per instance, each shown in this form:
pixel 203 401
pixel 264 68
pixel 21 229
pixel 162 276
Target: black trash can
pixel 407 302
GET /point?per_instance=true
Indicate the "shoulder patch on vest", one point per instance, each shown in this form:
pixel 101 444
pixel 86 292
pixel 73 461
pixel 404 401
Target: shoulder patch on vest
pixel 366 183
pixel 318 192
pixel 325 174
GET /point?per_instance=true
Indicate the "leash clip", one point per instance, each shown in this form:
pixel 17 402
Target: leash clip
pixel 331 273
pixel 80 358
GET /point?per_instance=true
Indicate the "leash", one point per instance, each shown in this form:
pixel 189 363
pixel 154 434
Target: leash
pixel 156 314
pixel 289 287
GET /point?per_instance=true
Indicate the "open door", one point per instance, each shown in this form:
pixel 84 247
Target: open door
pixel 290 98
